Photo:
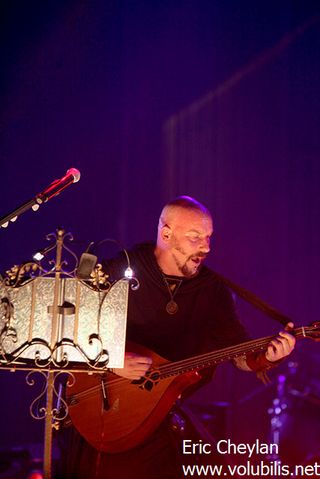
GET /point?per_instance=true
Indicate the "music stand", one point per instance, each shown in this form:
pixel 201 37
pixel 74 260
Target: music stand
pixel 53 323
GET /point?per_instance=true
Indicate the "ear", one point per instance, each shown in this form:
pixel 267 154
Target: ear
pixel 166 233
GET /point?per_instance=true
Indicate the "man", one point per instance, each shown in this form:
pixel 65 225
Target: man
pixel 181 310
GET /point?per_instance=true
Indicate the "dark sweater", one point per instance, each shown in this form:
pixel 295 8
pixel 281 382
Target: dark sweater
pixel 206 318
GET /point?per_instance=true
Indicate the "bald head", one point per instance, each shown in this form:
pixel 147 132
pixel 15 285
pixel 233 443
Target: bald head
pixel 184 232
pixel 175 208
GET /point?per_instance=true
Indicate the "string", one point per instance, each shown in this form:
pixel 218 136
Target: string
pixel 196 362
pixel 213 357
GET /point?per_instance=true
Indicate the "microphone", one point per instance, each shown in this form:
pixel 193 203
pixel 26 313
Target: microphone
pixel 86 266
pixel 72 176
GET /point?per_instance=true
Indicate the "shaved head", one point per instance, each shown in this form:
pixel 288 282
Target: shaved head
pixel 173 209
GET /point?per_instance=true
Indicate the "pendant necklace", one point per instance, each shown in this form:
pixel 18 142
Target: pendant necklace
pixel 172 306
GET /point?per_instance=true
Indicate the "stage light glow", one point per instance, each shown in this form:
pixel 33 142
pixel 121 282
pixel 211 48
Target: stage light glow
pixel 129 273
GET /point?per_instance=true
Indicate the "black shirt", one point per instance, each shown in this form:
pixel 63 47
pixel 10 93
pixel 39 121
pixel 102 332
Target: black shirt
pixel 206 318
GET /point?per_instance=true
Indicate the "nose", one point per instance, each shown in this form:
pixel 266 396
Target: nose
pixel 205 245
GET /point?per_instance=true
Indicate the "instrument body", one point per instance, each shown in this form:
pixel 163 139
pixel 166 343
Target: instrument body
pixel 115 414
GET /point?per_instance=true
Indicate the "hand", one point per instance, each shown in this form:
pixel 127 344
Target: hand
pixel 282 345
pixel 135 366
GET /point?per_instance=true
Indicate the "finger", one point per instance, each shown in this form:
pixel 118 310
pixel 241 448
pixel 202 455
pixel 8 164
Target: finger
pixel 139 367
pixel 289 326
pixel 138 359
pixel 277 343
pixel 271 353
pixel 270 349
pixel 282 345
pixel 143 360
pixel 290 340
pixel 278 349
pixel 138 374
pixel 287 342
pixel 142 372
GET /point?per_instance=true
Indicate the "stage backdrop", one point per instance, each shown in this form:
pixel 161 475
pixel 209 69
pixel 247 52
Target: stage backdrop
pixel 219 100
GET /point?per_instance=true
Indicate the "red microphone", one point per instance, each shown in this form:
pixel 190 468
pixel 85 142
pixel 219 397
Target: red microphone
pixel 72 176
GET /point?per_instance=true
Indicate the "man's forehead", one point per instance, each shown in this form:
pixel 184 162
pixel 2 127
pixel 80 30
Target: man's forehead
pixel 189 220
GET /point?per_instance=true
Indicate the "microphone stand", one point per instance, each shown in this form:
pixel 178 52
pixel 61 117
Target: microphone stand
pixel 33 204
pixel 72 176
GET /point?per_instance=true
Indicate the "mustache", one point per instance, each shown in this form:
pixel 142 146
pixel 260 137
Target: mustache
pixel 199 255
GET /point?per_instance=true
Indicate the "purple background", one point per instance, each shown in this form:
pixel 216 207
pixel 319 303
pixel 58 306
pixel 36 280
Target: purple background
pixel 215 99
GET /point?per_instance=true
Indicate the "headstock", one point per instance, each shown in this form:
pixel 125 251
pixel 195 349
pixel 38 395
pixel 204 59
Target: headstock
pixel 311 331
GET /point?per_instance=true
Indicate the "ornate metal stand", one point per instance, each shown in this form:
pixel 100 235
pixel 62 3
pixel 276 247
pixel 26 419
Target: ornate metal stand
pixel 53 323
pixel 49 406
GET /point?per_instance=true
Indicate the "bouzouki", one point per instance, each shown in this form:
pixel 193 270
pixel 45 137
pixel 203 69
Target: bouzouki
pixel 115 414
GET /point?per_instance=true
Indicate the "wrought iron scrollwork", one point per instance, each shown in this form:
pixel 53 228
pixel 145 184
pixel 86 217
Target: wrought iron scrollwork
pixel 38 408
pixel 47 353
pixel 45 326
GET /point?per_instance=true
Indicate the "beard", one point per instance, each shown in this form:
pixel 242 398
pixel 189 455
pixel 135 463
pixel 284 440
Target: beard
pixel 190 267
pixel 189 272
